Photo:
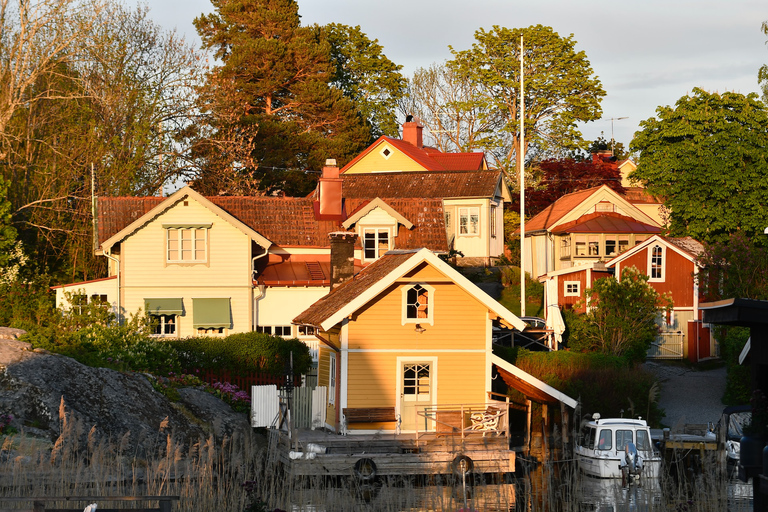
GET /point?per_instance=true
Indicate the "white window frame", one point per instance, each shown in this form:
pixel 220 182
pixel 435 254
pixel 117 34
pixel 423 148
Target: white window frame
pixel 662 264
pixel 332 378
pixel 467 212
pixel 196 241
pixel 494 213
pixel 430 320
pixel 377 230
pixel 162 324
pixel 566 293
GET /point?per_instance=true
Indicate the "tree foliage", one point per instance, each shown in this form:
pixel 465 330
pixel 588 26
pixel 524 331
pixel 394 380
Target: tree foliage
pixel 366 76
pixel 762 74
pixel 270 112
pixel 621 320
pixel 111 106
pixel 560 89
pixel 561 177
pixel 707 156
pixel 735 268
pixel 445 101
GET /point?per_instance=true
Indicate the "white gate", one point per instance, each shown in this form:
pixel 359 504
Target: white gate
pixel 309 407
pixel 264 406
pixel 667 345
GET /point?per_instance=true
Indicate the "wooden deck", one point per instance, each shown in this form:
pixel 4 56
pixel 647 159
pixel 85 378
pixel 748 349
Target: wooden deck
pixel 391 454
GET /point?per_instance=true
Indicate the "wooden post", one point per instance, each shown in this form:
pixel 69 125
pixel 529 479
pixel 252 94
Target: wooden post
pixel 545 431
pixel 528 425
pixel 565 423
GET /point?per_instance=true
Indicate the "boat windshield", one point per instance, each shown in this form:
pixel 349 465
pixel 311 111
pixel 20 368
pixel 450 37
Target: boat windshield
pixel 587 439
pixel 643 443
pixel 622 438
pixel 604 441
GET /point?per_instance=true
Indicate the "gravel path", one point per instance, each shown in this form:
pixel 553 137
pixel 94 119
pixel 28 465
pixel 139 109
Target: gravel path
pixel 689 395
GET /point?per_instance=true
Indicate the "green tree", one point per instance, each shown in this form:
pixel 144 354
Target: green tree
pixel 601 144
pixel 114 109
pixel 734 268
pixel 560 89
pixel 621 320
pixel 270 112
pixel 366 76
pixel 445 101
pixel 762 74
pixel 7 231
pixel 707 156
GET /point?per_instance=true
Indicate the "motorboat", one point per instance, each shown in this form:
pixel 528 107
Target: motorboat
pixel 617 448
pixel 735 417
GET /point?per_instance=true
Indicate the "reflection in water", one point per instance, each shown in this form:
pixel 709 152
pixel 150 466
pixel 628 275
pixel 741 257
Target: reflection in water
pixel 545 489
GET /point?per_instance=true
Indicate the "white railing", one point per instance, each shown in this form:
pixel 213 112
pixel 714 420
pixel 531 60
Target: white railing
pixel 314 348
pixel 668 345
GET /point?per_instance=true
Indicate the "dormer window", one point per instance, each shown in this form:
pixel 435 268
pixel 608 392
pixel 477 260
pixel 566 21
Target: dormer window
pixel 418 304
pixel 376 241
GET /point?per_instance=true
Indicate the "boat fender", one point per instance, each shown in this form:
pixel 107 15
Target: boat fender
pixel 365 470
pixel 462 464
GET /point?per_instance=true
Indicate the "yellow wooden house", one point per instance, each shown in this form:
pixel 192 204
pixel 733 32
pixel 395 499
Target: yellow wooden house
pixel 408 337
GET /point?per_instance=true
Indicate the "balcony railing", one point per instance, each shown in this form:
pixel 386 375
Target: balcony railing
pixel 489 418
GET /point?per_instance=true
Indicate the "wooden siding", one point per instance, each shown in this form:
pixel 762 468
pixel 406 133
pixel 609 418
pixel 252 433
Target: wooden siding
pixel 474 245
pixel 375 162
pixel 459 322
pixel 226 272
pixel 323 379
pixel 678 275
pixel 425 272
pixel 569 302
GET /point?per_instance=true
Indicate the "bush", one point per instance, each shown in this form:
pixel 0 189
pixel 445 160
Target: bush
pixel 738 383
pixel 601 383
pixel 243 353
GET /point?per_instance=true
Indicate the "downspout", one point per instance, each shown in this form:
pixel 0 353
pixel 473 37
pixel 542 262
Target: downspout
pixel 260 287
pixel 117 262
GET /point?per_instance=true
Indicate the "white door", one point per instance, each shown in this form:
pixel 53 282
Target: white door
pixel 416 392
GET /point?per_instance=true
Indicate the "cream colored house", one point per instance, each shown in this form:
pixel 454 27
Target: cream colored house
pixel 584 227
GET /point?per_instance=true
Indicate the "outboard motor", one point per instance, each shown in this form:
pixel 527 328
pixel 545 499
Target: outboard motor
pixel 632 459
pixel 632 464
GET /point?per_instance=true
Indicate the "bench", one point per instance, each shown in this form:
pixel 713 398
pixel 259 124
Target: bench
pixel 370 414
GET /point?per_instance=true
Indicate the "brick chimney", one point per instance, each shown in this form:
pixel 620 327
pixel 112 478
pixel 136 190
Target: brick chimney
pixel 342 257
pixel 412 132
pixel 330 204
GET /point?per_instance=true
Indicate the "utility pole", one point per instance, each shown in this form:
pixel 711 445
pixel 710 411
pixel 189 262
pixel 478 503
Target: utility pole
pixel 522 184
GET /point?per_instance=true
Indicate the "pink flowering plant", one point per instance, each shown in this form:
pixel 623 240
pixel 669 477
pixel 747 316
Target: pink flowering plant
pixel 238 399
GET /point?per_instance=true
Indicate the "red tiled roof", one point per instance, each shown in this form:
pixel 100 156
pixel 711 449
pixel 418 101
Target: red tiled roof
pixel 605 222
pixel 430 159
pixel 445 184
pixel 460 161
pixel 347 292
pixel 559 209
pixel 290 221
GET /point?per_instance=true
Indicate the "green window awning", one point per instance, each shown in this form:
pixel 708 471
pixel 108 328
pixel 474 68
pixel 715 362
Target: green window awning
pixel 211 313
pixel 163 306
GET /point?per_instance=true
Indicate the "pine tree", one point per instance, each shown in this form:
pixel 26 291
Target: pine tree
pixel 271 113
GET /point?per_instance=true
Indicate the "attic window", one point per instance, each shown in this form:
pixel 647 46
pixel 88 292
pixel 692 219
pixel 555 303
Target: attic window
pixel 604 207
pixel 386 152
pixel 418 304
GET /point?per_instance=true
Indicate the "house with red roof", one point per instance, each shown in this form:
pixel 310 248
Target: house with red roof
pixel 582 227
pixel 222 264
pixel 671 265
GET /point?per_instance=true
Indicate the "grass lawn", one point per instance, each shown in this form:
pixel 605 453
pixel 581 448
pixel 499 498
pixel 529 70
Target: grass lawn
pixel 534 305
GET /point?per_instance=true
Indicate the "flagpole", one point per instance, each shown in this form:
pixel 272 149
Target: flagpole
pixel 521 172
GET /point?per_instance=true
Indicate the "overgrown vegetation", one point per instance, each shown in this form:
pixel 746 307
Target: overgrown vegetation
pixel 622 317
pixel 602 383
pixel 738 383
pixel 510 296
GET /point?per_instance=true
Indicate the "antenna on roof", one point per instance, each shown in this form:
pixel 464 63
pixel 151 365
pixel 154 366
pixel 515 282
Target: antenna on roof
pixel 612 119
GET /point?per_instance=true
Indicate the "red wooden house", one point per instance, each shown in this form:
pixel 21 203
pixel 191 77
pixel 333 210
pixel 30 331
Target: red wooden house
pixel 671 266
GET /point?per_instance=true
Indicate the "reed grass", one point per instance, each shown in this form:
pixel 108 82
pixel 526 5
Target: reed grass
pixel 234 475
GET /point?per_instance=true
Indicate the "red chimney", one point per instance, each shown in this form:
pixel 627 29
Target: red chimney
pixel 329 190
pixel 412 132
